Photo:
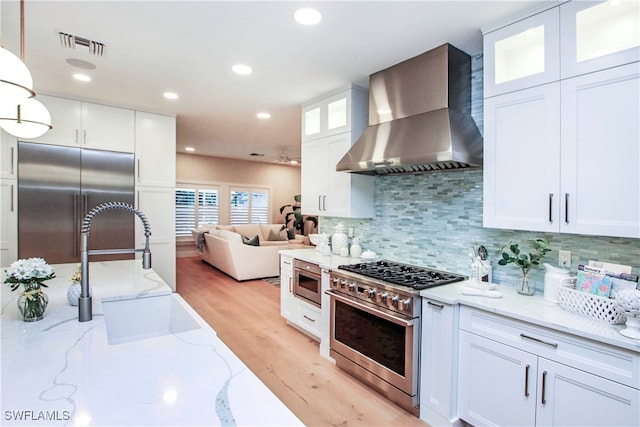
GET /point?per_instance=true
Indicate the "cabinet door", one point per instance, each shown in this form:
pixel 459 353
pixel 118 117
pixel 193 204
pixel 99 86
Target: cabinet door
pixel 496 383
pixel 158 205
pixel 600 153
pixel 287 302
pixel 521 159
pixel 108 128
pixel 338 197
pixel 438 363
pixel 8 156
pixel 66 121
pixel 328 116
pixel 155 149
pixel 570 397
pixel 523 54
pixel 8 221
pixel 314 177
pixel 598 34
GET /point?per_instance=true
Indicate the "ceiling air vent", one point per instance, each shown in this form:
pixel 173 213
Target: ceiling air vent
pixel 70 41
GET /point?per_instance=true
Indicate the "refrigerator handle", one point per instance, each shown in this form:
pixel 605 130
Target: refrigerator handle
pixel 76 223
pixel 12 206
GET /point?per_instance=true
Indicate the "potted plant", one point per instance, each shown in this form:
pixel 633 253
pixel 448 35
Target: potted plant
pixel 525 262
pixel 295 216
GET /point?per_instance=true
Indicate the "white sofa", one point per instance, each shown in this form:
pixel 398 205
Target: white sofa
pixel 222 247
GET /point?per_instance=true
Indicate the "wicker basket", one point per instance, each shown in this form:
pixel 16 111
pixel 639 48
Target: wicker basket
pixel 590 305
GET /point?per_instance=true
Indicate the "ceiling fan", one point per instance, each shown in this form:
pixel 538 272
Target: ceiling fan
pixel 286 160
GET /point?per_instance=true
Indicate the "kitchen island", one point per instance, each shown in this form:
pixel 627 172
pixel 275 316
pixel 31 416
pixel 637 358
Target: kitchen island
pixel 59 371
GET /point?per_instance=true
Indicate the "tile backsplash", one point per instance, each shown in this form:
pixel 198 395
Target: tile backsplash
pixel 435 219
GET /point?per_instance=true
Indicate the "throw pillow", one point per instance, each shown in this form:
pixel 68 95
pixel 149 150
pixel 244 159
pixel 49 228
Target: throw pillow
pixel 277 236
pixel 254 241
pixel 291 233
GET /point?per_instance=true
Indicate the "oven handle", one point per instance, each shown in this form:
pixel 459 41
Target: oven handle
pixel 370 310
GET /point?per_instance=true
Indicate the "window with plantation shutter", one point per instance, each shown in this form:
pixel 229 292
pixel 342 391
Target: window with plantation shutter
pixel 190 214
pixel 249 205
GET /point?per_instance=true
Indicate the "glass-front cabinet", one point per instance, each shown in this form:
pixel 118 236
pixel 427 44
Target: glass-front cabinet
pixel 523 54
pixel 598 35
pixel 330 115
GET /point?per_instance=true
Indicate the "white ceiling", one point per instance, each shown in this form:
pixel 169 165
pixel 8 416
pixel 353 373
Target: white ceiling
pixel 189 47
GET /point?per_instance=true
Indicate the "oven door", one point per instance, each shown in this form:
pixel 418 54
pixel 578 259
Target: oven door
pixel 384 344
pixel 307 282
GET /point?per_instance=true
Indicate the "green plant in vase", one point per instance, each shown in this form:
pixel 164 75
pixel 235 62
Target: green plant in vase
pixel 525 261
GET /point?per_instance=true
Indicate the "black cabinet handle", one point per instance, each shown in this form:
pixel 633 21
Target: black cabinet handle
pixel 526 381
pixel 543 400
pixel 550 208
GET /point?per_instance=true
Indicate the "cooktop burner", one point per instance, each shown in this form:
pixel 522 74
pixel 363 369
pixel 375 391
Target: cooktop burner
pixel 403 274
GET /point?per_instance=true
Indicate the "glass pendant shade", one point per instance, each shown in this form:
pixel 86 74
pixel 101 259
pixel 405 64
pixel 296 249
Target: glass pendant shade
pixel 16 84
pixel 30 119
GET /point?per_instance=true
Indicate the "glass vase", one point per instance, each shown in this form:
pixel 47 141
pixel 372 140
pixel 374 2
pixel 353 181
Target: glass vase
pixel 526 286
pixel 32 302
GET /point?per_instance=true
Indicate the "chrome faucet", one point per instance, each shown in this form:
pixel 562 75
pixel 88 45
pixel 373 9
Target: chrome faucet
pixel 84 301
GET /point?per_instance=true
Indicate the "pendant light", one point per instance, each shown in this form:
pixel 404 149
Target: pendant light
pixel 26 118
pixel 16 84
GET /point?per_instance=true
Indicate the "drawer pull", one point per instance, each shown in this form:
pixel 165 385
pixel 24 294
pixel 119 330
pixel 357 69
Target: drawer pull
pixel 550 344
pixel 526 380
pixel 308 318
pixel 433 304
pixel 543 400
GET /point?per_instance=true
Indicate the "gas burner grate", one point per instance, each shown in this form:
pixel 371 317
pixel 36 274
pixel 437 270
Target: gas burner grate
pixel 403 274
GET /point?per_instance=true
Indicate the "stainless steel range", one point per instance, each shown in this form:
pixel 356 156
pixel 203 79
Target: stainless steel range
pixel 375 324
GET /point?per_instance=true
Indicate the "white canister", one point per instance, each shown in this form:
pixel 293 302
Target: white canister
pixel 356 249
pixel 554 278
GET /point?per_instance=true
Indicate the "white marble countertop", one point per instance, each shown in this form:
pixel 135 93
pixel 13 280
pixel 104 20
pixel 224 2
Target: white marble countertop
pixel 324 261
pixel 535 309
pixel 59 371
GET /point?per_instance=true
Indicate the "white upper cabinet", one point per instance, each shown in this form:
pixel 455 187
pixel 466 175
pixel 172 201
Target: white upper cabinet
pixel 89 125
pixel 522 159
pixel 598 34
pixel 8 156
pixel 340 112
pixel 523 54
pixel 600 181
pixel 330 126
pixel 155 149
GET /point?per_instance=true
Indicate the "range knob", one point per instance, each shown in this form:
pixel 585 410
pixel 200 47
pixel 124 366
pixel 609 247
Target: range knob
pixel 343 283
pixel 371 293
pixel 384 296
pixel 405 304
pixel 394 300
pixel 352 286
pixel 334 282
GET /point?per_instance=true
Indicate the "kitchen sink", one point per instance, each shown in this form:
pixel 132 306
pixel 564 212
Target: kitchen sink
pixel 142 318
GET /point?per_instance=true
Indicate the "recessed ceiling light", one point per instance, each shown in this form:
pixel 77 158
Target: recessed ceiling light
pixel 242 69
pixel 189 149
pixel 82 77
pixel 171 95
pixel 307 16
pixel 263 115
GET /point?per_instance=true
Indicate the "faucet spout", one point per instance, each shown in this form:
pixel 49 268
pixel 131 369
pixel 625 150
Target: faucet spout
pixel 84 301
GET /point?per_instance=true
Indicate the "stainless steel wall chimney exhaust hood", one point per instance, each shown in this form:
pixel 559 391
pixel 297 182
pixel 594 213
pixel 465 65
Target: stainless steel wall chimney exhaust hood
pixel 419 118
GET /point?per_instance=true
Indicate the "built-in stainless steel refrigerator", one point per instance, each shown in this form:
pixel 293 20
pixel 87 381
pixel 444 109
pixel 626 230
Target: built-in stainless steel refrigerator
pixel 57 186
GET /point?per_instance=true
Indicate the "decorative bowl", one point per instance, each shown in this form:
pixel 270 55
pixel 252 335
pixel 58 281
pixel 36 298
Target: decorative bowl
pixel 315 239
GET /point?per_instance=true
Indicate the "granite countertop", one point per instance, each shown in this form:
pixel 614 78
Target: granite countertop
pixel 534 309
pixel 59 371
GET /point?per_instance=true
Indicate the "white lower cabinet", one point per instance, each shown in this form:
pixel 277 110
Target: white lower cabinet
pixel 298 313
pixel 511 373
pixel 438 361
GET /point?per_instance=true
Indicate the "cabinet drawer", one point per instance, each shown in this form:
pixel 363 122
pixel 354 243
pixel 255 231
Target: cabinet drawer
pixel 609 362
pixel 309 318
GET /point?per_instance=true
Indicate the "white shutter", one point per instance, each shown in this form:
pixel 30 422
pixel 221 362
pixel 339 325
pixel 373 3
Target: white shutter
pixel 185 211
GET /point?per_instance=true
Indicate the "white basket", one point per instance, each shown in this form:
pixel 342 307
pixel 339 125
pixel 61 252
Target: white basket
pixel 591 305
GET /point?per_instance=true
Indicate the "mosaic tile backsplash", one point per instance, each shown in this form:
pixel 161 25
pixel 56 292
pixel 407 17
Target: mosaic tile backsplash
pixel 435 219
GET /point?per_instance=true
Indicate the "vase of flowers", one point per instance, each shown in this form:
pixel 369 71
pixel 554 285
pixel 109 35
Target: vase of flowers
pixel 525 261
pixel 31 274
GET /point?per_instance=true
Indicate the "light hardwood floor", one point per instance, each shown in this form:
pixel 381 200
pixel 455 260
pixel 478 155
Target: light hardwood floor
pixel 246 316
